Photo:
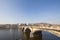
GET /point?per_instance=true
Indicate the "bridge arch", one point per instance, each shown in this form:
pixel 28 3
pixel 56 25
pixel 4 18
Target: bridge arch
pixel 24 28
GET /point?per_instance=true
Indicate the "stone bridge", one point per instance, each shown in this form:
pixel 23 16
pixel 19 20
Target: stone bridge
pixel 38 28
pixel 34 29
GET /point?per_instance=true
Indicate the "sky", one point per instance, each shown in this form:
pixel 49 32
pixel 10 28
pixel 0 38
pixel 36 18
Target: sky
pixel 29 11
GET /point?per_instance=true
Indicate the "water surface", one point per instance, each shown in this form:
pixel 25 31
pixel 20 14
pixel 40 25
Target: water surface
pixel 14 34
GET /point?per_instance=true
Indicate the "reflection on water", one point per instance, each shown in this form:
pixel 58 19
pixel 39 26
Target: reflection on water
pixel 36 36
pixel 49 36
pixel 27 33
pixel 9 34
pixel 41 35
pixel 14 34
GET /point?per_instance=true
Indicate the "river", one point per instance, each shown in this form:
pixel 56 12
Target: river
pixel 14 34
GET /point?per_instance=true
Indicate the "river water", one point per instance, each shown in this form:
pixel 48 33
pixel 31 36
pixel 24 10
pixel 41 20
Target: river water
pixel 14 34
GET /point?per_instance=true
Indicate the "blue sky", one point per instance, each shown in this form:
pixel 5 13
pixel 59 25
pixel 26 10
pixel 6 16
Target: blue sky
pixel 29 11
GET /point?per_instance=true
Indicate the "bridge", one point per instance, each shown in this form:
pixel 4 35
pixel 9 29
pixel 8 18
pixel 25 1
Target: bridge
pixel 39 28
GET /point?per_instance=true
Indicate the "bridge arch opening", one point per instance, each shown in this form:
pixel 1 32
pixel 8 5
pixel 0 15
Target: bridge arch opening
pixel 27 30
